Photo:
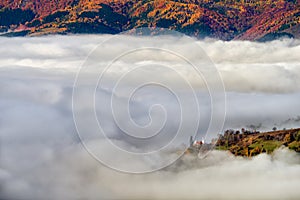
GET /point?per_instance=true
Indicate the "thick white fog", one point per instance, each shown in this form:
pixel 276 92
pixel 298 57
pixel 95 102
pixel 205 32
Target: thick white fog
pixel 41 156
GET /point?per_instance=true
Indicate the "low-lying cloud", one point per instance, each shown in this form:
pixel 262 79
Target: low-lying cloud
pixel 41 156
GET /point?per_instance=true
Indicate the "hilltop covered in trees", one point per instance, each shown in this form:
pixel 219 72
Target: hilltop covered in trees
pixel 250 143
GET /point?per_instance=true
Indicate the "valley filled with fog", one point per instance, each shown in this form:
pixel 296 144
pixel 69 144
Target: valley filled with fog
pixel 41 152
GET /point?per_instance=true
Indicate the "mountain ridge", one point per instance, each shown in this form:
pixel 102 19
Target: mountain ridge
pixel 223 19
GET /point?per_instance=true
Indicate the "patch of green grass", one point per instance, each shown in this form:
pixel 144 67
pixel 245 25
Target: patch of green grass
pixel 269 146
pixel 256 144
pixel 295 146
pixel 222 148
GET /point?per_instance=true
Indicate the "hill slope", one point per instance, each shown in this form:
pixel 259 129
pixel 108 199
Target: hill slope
pixel 224 19
pixel 253 143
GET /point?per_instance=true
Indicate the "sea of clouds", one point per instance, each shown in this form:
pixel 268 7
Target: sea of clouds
pixel 41 156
